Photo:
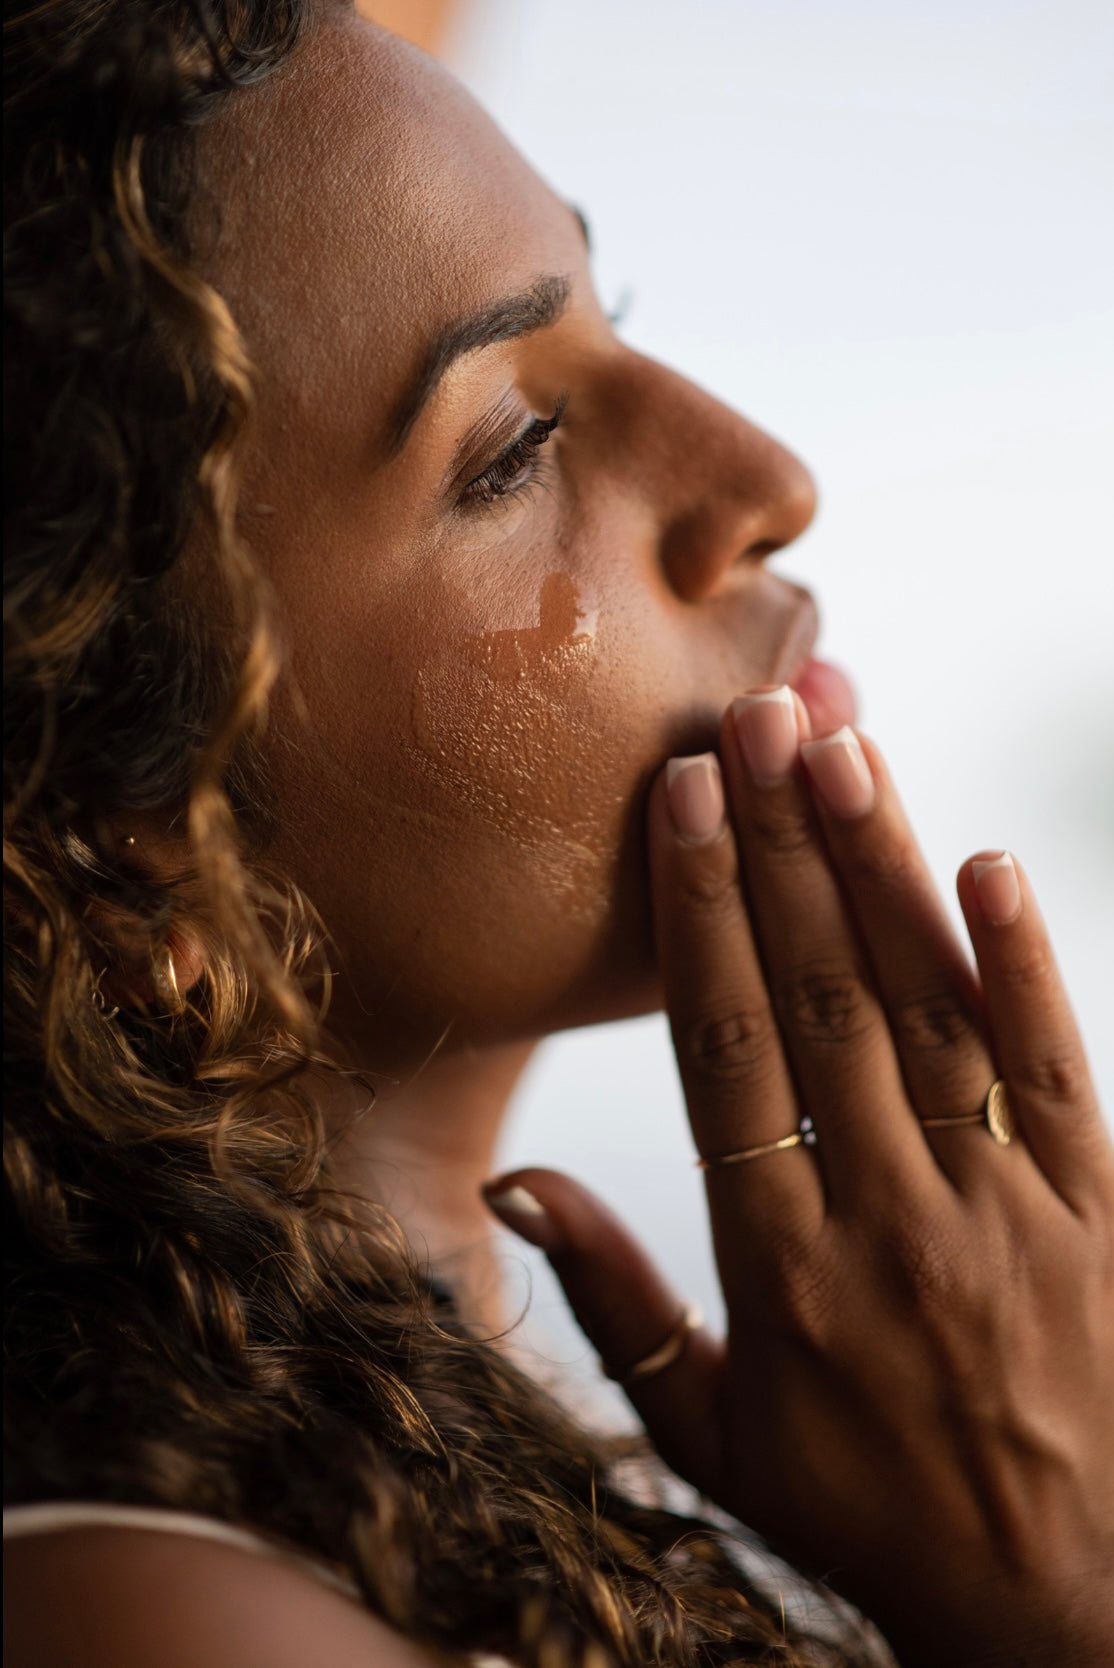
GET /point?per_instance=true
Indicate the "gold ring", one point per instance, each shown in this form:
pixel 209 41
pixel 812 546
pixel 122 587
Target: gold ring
pixel 995 1115
pixel 798 1138
pixel 665 1354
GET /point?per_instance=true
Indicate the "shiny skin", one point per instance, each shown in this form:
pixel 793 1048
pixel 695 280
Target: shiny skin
pixel 468 815
pixel 913 1397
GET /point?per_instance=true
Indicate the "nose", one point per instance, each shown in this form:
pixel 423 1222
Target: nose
pixel 728 493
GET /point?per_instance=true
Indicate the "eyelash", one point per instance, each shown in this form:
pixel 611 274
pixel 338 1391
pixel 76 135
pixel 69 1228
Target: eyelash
pixel 504 477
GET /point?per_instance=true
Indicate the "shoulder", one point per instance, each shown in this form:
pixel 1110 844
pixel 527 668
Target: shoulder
pixel 109 1597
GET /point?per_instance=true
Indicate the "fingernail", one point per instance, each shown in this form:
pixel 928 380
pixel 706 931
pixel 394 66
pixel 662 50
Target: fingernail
pixel 766 724
pixel 694 788
pixel 997 888
pixel 838 767
pixel 518 1208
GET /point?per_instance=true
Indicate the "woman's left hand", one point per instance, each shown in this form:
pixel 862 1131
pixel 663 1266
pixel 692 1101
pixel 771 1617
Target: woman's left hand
pixel 916 1395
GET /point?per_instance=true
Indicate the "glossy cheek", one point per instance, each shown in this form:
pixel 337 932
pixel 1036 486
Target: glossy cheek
pixel 535 725
pixel 511 747
pixel 461 779
pixel 501 720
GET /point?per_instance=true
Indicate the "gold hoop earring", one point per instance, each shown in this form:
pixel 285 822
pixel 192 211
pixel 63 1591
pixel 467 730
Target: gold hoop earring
pixel 165 980
pixel 100 1006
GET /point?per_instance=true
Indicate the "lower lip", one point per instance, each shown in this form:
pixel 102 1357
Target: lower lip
pixel 827 694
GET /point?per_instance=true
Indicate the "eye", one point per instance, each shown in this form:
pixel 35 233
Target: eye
pixel 515 468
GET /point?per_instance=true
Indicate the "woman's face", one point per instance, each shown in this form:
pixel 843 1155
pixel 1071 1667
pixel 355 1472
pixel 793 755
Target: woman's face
pixel 498 628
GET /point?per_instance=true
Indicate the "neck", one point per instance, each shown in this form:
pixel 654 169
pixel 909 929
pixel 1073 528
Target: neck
pixel 423 1150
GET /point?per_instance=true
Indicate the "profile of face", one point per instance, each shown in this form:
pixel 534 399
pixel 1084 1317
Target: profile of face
pixel 519 564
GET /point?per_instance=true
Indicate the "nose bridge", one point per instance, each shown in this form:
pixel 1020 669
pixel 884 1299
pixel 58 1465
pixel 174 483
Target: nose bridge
pixel 725 490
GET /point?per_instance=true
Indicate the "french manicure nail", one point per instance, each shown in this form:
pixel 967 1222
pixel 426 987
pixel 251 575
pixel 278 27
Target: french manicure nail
pixel 694 788
pixel 766 724
pixel 997 888
pixel 837 765
pixel 520 1210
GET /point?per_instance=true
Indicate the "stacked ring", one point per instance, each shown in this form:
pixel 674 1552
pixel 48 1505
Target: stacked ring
pixel 994 1114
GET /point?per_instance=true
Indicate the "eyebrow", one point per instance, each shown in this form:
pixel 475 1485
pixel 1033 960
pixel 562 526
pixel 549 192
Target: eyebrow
pixel 500 321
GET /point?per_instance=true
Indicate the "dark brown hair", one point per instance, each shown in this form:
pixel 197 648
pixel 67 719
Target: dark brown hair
pixel 195 1318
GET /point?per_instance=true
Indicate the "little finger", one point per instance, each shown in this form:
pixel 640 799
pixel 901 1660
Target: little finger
pixel 1036 1041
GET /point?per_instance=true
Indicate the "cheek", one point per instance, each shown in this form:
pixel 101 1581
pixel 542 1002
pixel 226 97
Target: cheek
pixel 465 801
pixel 512 749
pixel 506 723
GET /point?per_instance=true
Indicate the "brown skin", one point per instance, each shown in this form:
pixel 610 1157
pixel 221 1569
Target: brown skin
pixel 480 693
pixel 459 802
pixel 915 1393
pixel 917 1390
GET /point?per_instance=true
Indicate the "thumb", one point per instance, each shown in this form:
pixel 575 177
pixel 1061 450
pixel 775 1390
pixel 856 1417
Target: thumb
pixel 627 1310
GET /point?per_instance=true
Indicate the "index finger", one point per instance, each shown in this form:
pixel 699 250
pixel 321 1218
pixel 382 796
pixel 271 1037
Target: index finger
pixel 737 1081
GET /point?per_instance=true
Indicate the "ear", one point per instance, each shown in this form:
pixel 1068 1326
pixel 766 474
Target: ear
pixel 156 977
pixel 153 973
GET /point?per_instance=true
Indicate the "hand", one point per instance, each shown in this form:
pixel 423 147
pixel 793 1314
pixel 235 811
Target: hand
pixel 915 1398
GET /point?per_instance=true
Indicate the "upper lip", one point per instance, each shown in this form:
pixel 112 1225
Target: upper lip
pixel 799 641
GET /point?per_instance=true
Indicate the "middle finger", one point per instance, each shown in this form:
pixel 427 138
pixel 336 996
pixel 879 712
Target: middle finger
pixel 833 1023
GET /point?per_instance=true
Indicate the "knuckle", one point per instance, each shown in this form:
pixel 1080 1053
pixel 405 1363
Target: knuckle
pixel 705 889
pixel 806 1295
pixel 784 833
pixel 1060 1080
pixel 825 1002
pixel 1027 969
pixel 882 866
pixel 932 1019
pixel 922 1268
pixel 729 1045
pixel 921 1263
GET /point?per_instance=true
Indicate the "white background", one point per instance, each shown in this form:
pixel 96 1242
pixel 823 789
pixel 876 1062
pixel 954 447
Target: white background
pixel 885 232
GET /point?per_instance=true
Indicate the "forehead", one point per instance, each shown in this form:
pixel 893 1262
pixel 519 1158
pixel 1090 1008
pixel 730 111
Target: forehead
pixel 358 201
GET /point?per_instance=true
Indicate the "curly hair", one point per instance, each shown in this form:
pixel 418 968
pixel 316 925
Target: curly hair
pixel 197 1318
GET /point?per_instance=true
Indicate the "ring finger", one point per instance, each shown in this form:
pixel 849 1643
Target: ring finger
pixel 931 996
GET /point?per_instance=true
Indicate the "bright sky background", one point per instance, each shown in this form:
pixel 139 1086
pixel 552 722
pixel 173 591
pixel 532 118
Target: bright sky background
pixel 886 232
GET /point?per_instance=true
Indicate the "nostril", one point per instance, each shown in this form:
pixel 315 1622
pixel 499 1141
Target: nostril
pixel 777 496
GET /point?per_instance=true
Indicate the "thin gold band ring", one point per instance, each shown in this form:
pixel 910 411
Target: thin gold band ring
pixel 797 1139
pixel 666 1353
pixel 994 1115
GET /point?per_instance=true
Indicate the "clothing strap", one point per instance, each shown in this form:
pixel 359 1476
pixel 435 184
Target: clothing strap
pixel 52 1516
